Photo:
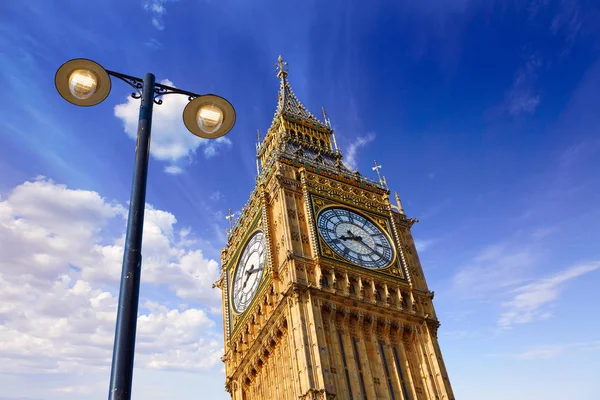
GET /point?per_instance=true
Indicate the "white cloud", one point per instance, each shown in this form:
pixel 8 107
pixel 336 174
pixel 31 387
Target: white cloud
pixel 351 155
pixel 531 301
pixel 171 141
pixel 59 273
pixel 172 169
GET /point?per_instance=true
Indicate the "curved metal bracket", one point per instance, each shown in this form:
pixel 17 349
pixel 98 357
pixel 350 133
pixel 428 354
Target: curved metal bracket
pixel 159 89
pixel 132 81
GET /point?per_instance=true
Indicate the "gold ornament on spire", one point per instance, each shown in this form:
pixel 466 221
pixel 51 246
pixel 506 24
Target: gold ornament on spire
pixel 282 72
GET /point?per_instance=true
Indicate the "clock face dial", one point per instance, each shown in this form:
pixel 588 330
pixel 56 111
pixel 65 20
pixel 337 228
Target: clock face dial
pixel 355 238
pixel 249 272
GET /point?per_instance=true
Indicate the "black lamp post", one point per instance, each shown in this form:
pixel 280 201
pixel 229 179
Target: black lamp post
pixel 85 83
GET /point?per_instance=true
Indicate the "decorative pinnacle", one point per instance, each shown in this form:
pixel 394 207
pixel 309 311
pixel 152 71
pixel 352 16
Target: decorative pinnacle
pixel 327 121
pixel 281 68
pixel 229 217
pixel 398 205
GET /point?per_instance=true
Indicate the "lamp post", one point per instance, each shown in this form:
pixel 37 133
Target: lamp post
pixel 85 83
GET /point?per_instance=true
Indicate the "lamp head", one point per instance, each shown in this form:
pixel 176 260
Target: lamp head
pixel 209 116
pixel 82 82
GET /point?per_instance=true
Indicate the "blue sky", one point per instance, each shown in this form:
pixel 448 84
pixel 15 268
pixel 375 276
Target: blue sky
pixel 484 115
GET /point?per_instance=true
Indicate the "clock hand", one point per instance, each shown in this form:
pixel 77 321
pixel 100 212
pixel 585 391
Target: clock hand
pixel 372 249
pixel 251 271
pixel 247 276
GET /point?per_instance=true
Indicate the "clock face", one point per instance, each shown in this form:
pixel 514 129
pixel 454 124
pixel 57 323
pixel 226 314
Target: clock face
pixel 249 272
pixel 355 238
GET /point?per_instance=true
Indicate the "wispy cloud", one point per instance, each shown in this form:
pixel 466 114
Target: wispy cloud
pixel 531 301
pixel 568 22
pixel 157 9
pixel 579 152
pixel 351 155
pixel 154 44
pixel 551 351
pixel 522 96
pixel 174 170
pixel 543 232
pixel 423 244
pixel 496 269
pixel 216 196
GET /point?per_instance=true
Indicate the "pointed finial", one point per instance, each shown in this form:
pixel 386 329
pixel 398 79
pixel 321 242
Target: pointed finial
pixel 230 219
pixel 327 121
pixel 399 204
pixel 281 68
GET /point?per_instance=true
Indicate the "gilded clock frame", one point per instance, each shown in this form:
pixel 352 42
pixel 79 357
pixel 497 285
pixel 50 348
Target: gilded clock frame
pixel 383 222
pixel 236 265
pixel 234 316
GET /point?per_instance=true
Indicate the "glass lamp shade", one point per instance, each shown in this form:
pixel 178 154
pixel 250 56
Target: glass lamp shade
pixel 209 116
pixel 82 82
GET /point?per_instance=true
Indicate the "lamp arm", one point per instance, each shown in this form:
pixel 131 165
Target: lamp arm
pixel 132 81
pixel 159 89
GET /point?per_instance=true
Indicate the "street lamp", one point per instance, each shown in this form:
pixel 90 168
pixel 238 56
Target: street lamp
pixel 86 83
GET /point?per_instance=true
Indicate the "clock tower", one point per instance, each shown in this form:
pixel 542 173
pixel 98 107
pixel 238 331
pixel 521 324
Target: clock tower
pixel 323 293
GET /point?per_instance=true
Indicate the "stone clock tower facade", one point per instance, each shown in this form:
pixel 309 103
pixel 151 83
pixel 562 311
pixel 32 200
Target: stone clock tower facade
pixel 323 293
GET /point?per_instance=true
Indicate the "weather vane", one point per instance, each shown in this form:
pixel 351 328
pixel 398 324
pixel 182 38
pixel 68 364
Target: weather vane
pixel 382 180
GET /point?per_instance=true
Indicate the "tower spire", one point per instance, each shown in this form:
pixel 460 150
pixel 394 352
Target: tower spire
pixel 288 103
